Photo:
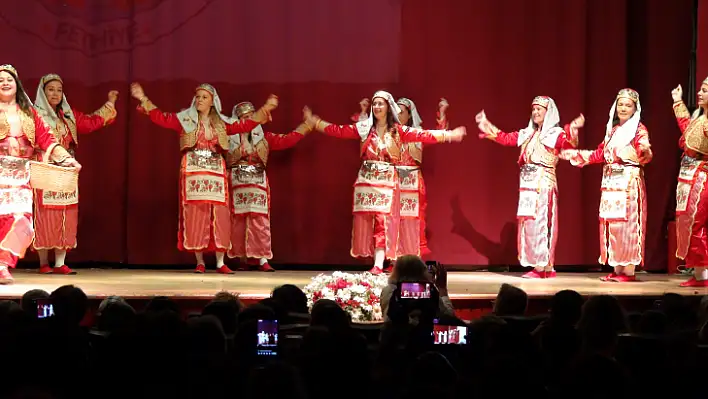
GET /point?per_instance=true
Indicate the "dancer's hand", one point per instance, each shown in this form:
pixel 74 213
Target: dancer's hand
pixel 113 96
pixel 578 122
pixel 137 91
pixel 677 94
pixel 443 105
pixel 272 102
pixel 457 134
pixel 71 162
pixel 365 103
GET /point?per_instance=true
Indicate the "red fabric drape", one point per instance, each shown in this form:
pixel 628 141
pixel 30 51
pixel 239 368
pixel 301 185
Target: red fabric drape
pixel 702 55
pixel 478 54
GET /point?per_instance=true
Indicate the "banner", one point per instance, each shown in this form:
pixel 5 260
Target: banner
pixel 236 41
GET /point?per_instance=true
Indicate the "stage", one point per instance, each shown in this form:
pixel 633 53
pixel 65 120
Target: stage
pixel 472 293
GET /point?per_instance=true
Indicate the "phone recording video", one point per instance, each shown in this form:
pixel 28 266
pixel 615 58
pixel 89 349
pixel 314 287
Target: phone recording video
pixel 267 338
pixel 449 335
pixel 415 290
pixel 432 267
pixel 45 308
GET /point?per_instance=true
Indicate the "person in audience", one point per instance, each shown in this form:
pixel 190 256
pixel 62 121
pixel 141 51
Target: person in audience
pixel 56 215
pixel 376 205
pixel 204 216
pixel 511 301
pixel 540 142
pixel 623 205
pixel 691 191
pixel 22 132
pixel 250 188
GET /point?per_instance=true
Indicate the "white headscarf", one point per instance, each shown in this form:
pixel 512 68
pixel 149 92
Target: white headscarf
pixel 624 134
pixel 41 103
pixel 256 134
pixel 189 118
pixel 416 122
pixel 364 127
pixel 11 69
pixel 550 129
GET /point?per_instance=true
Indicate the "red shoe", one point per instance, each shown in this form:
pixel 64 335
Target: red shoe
pixel 534 274
pixel 623 278
pixel 692 282
pixel 64 270
pixel 376 270
pixel 200 269
pixel 45 269
pixel 6 277
pixel 609 277
pixel 550 274
pixel 388 269
pixel 266 268
pixel 224 270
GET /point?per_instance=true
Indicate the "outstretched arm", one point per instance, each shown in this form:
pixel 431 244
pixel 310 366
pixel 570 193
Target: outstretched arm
pixel 491 132
pixel 413 135
pixel 168 120
pixel 339 131
pixel 263 115
pixel 285 141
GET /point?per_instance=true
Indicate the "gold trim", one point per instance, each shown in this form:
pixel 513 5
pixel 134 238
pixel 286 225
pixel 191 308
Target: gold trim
pixel 147 105
pixel 680 110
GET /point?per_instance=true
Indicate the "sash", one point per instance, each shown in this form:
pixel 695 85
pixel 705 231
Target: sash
pixel 614 200
pixel 15 192
pixel 409 181
pixel 686 179
pixel 249 190
pixel 529 190
pixel 373 189
pixel 204 177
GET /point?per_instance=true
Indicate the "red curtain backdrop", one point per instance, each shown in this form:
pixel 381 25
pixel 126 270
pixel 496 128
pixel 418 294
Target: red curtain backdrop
pixel 702 55
pixel 327 54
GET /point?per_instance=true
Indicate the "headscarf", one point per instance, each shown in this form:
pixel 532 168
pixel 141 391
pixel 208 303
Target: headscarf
pixel 364 127
pixel 624 134
pixel 41 103
pixel 189 118
pixel 415 116
pixel 550 129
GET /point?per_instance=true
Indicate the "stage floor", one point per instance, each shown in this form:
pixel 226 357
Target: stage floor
pixel 142 284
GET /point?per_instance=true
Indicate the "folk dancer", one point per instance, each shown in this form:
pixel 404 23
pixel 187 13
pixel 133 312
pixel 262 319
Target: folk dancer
pixel 537 215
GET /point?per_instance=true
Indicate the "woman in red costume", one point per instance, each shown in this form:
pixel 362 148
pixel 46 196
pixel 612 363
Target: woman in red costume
pixel 537 214
pixel 56 215
pixel 250 189
pixel 376 204
pixel 204 216
pixel 22 131
pixel 623 205
pixel 411 238
pixel 691 192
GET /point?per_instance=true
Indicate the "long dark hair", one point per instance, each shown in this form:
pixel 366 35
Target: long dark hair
pixel 21 96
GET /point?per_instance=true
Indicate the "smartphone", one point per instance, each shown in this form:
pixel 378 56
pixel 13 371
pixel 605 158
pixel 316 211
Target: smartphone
pixel 415 290
pixel 45 308
pixel 449 335
pixel 432 266
pixel 267 338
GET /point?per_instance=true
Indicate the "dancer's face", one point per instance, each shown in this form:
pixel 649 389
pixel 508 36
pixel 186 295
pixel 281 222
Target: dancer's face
pixel 247 115
pixel 625 109
pixel 380 107
pixel 8 86
pixel 204 100
pixel 404 115
pixel 702 95
pixel 54 91
pixel 538 114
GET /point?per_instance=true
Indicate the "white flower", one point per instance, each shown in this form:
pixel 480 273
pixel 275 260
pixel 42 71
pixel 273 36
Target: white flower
pixel 355 292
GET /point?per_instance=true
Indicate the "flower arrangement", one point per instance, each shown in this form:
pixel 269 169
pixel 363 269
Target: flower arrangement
pixel 358 294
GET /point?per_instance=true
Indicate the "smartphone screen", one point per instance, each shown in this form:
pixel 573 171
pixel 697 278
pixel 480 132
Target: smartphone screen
pixel 267 338
pixel 415 290
pixel 45 308
pixel 449 335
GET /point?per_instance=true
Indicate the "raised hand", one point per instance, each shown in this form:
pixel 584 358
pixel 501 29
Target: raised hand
pixel 272 102
pixel 137 91
pixel 365 103
pixel 113 96
pixel 443 105
pixel 578 122
pixel 677 93
pixel 457 134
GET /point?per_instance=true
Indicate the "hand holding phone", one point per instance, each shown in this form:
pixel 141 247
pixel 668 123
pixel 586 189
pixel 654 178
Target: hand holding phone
pixel 267 338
